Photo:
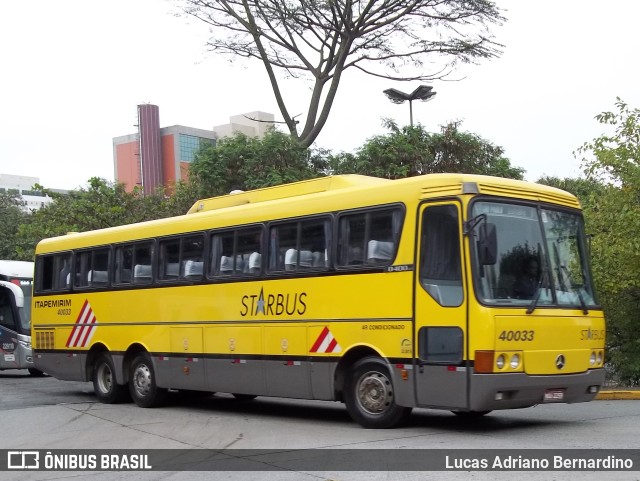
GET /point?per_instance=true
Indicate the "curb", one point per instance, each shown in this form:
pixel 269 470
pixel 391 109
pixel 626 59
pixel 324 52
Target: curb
pixel 618 395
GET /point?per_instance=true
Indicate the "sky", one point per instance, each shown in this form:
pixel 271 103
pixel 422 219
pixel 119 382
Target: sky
pixel 73 71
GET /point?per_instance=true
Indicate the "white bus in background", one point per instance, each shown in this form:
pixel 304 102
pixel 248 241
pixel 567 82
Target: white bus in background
pixel 16 283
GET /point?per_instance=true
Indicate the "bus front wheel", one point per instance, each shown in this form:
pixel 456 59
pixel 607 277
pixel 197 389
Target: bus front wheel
pixel 107 390
pixel 369 395
pixel 142 383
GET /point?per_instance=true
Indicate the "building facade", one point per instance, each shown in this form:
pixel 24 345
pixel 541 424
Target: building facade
pixel 160 156
pixel 22 185
pixel 155 156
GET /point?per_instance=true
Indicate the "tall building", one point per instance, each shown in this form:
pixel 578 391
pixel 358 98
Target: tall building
pixel 155 156
pixel 160 156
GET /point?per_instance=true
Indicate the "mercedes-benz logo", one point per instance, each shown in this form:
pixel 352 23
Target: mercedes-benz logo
pixel 560 361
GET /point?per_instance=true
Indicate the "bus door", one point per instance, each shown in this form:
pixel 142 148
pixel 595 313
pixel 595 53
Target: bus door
pixel 440 308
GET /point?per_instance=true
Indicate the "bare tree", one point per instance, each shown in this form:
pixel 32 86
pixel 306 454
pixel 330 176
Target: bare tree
pixel 320 39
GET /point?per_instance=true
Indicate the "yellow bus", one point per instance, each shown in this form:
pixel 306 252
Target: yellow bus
pixel 448 291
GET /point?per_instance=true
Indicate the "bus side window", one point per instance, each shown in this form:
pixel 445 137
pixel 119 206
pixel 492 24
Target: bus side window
pixel 124 264
pixel 249 248
pixel 191 254
pixel 64 275
pixel 283 252
pixel 300 245
pixel 223 261
pixel 369 238
pixel 236 252
pixel 92 268
pixel 381 246
pixel 142 258
pixel 169 259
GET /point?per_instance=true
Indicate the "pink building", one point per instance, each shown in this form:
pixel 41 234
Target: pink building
pixel 155 156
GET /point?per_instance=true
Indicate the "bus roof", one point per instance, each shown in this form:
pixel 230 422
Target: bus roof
pixel 294 189
pixel 23 269
pixel 325 194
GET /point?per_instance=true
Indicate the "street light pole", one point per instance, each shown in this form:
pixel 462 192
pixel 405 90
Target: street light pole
pixel 423 92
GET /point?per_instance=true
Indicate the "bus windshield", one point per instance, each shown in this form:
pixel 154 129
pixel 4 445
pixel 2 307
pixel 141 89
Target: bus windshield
pixel 541 258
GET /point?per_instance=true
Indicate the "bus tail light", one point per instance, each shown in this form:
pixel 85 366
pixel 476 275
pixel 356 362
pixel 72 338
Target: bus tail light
pixel 484 361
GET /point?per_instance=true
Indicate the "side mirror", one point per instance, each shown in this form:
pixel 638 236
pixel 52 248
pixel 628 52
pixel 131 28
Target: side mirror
pixel 487 244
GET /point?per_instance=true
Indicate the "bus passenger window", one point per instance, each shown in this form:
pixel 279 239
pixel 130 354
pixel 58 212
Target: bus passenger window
pixel 191 254
pixel 169 259
pixel 54 272
pixel 236 252
pixel 369 238
pixel 124 264
pixel 299 245
pixel 249 243
pixel 92 268
pixel 64 275
pixel 142 257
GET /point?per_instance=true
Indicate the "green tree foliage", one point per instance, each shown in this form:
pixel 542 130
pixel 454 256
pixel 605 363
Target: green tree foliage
pixel 101 204
pixel 246 163
pixel 12 216
pixel 319 41
pixel 411 151
pixel 583 188
pixel 613 216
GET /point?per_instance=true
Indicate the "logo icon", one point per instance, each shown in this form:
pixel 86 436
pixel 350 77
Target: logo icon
pixel 560 362
pixel 23 460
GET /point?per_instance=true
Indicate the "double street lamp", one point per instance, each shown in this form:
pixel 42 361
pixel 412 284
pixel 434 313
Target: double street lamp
pixel 424 93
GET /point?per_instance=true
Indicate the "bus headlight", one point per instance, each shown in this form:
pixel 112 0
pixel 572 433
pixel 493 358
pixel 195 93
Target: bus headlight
pixel 599 358
pixel 515 361
pixel 25 344
pixel 592 358
pixel 500 361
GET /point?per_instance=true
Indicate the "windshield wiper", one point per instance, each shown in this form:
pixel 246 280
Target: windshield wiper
pixel 577 291
pixel 543 278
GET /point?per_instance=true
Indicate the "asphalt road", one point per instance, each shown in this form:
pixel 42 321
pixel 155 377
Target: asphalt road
pixel 44 413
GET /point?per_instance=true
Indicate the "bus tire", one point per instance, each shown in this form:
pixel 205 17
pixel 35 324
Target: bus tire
pixel 369 395
pixel 142 383
pixel 36 372
pixel 107 390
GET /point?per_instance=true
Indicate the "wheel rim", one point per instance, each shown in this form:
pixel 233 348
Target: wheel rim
pixel 105 378
pixel 374 393
pixel 142 380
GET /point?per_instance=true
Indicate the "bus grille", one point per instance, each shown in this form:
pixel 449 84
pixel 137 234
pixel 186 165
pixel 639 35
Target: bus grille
pixel 45 340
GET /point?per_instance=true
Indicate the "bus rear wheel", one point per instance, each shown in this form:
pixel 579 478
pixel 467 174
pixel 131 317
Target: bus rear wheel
pixel 36 372
pixel 107 390
pixel 369 395
pixel 142 383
